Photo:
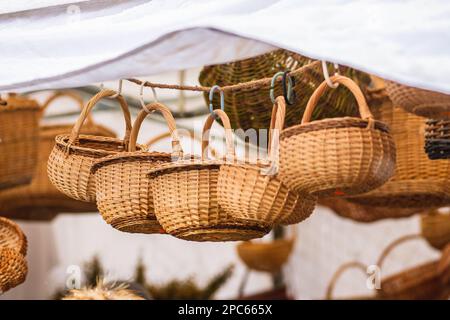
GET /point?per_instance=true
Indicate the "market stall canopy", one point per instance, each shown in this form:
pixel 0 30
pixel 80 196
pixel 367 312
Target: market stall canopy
pixel 74 43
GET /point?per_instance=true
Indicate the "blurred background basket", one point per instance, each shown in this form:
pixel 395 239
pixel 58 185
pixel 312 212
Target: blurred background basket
pixel 435 228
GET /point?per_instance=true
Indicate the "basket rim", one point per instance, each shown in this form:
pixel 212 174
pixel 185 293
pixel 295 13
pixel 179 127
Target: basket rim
pixel 23 245
pixel 194 163
pixel 16 103
pixel 45 130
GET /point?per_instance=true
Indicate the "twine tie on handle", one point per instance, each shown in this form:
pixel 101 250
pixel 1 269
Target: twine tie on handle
pixel 141 97
pixel 326 75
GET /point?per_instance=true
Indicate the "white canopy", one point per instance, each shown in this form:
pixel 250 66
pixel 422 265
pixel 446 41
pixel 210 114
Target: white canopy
pixel 74 43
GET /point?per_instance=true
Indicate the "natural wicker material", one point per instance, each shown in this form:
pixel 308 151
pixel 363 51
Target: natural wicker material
pixel 340 156
pixel 19 121
pixel 444 268
pixel 437 139
pixel 251 191
pixel 249 105
pixel 418 181
pixel 425 103
pixel 103 291
pixel 124 197
pixel 185 197
pixel 69 164
pixel 436 229
pixel 40 200
pixel 11 236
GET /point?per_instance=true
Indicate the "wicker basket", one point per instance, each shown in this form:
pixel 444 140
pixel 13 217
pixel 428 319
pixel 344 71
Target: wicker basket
pixel 418 181
pixel 248 105
pixel 185 197
pixel 424 103
pixel 436 229
pixel 437 139
pixel 41 200
pixel 19 125
pixel 252 191
pixel 340 156
pixel 444 268
pixel 124 197
pixel 70 162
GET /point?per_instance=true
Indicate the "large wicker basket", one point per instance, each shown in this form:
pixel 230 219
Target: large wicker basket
pixel 249 105
pixel 19 125
pixel 70 162
pixel 340 156
pixel 436 229
pixel 185 197
pixel 41 200
pixel 124 197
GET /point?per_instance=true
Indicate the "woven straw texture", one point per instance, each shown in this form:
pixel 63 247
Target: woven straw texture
pixel 340 156
pixel 435 228
pixel 437 139
pixel 248 104
pixel 185 197
pixel 418 181
pixel 19 124
pixel 424 103
pixel 124 196
pixel 70 162
pixel 252 191
pixel 41 200
pixel 102 291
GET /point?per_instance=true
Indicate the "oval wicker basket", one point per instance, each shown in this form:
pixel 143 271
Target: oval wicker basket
pixel 185 197
pixel 424 103
pixel 19 125
pixel 249 105
pixel 418 181
pixel 340 156
pixel 436 229
pixel 70 162
pixel 41 200
pixel 437 139
pixel 253 191
pixel 124 197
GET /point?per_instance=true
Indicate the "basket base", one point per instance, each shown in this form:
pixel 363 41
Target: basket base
pixel 224 232
pixel 134 225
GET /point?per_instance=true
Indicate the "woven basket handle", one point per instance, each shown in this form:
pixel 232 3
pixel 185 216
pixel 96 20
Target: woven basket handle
pixel 87 110
pixel 394 244
pixel 339 272
pixel 66 94
pixel 170 121
pixel 364 110
pixel 228 132
pixel 276 125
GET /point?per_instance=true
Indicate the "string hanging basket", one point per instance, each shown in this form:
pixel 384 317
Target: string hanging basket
pixel 40 200
pixel 19 121
pixel 437 139
pixel 70 162
pixel 435 228
pixel 421 102
pixel 339 156
pixel 124 197
pixel 418 181
pixel 253 191
pixel 185 197
pixel 248 103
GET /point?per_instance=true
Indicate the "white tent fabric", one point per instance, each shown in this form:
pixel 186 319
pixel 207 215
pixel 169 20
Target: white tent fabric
pixel 92 41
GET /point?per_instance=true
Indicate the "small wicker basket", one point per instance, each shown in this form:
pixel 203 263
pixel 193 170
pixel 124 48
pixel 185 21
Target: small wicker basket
pixel 340 156
pixel 70 162
pixel 124 197
pixel 437 139
pixel 436 229
pixel 19 134
pixel 185 197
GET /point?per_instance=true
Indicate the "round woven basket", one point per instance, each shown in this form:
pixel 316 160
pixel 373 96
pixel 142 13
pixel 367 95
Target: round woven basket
pixel 248 104
pixel 185 197
pixel 70 162
pixel 40 200
pixel 424 103
pixel 418 181
pixel 19 125
pixel 253 191
pixel 437 139
pixel 124 197
pixel 436 229
pixel 340 156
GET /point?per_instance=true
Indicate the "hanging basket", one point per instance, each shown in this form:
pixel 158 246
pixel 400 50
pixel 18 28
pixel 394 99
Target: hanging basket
pixel 253 191
pixel 41 200
pixel 185 197
pixel 436 229
pixel 124 197
pixel 421 102
pixel 340 156
pixel 418 181
pixel 437 139
pixel 70 162
pixel 248 104
pixel 19 121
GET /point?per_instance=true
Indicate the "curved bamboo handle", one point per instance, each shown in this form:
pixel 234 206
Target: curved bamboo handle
pixel 364 110
pixel 394 244
pixel 170 121
pixel 339 272
pixel 228 132
pixel 276 123
pixel 67 94
pixel 91 103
